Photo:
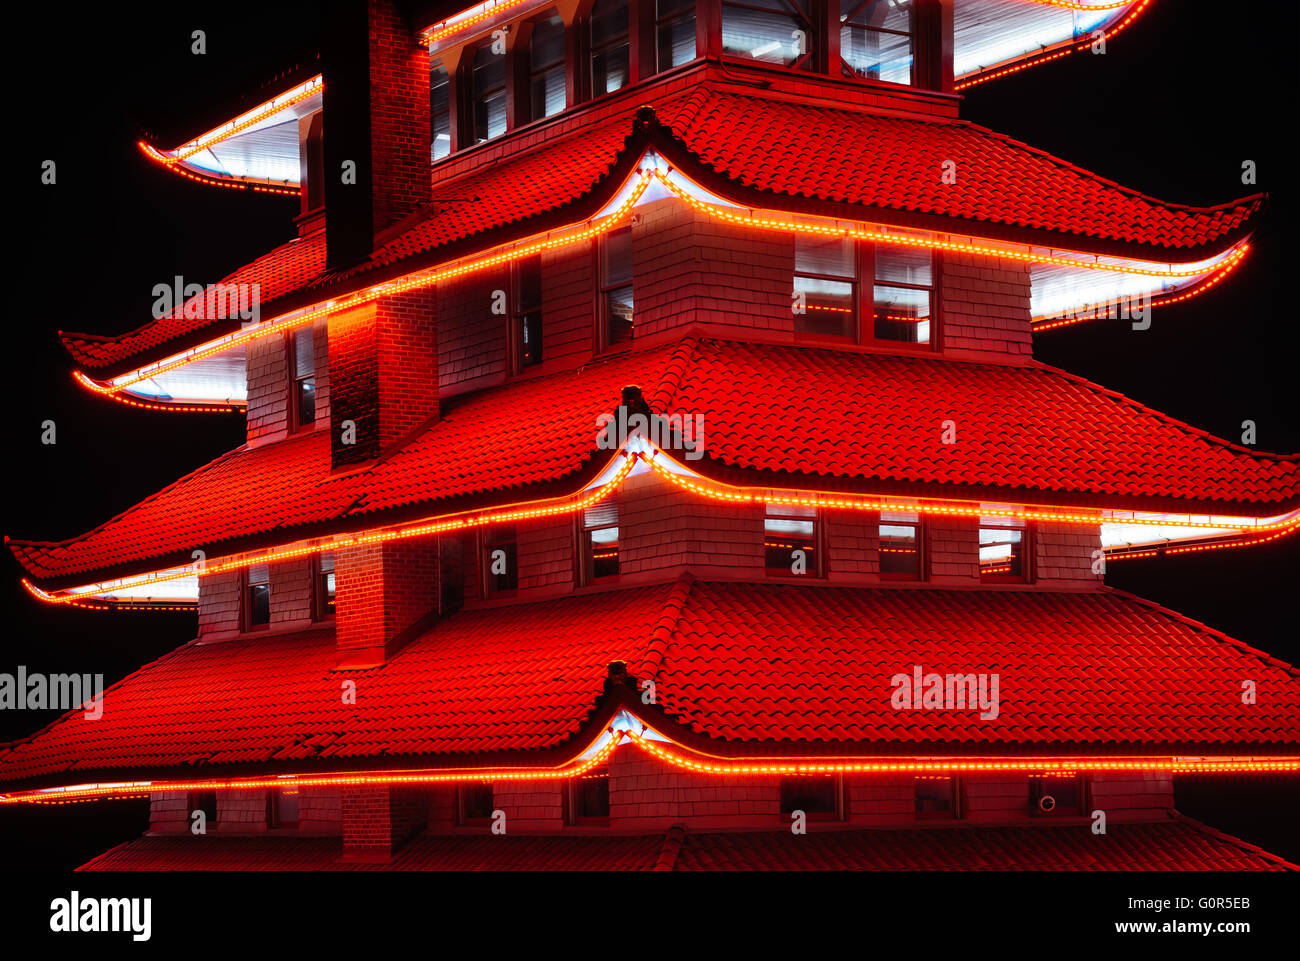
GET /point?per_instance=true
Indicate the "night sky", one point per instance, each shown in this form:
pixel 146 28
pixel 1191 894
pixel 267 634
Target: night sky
pixel 1160 113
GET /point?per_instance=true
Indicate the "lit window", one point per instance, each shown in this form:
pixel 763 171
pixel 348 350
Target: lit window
pixel 674 32
pixel 499 561
pixel 1056 795
pixel 489 84
pixel 773 31
pixel 282 808
pixel 600 542
pixel 816 796
pixel 589 798
pixel 790 541
pixel 826 280
pixel 526 313
pixel 616 287
pixel 904 292
pixel 876 39
pixel 439 111
pixel 546 67
pixel 936 797
pixel 475 801
pixel 610 46
pixel 1002 549
pixel 900 546
pixel 257 597
pixel 303 351
pixel 324 586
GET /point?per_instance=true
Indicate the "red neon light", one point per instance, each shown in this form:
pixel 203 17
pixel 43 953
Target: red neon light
pixel 1080 43
pixel 684 759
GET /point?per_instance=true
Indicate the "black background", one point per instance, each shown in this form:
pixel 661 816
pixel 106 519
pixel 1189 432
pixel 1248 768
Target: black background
pixel 1172 109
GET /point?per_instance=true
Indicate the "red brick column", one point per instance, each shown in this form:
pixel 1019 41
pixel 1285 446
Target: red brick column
pixel 381 592
pixel 379 820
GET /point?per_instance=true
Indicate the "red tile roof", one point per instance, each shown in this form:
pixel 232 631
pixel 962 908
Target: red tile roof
pixel 745 664
pixel 1178 844
pixel 287 268
pixel 768 151
pixel 799 416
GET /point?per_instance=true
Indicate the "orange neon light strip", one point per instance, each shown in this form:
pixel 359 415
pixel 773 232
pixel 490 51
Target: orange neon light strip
pixel 683 759
pixel 216 180
pixel 754 217
pixel 710 489
pixel 453 25
pixel 1221 271
pixel 410 282
pixel 303 91
pixel 1074 46
pixel 453 522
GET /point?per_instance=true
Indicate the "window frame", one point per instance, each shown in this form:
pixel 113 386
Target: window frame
pixel 868 316
pixel 463 789
pixel 590 49
pixel 819 567
pixel 839 807
pixel 449 113
pixel 863 260
pixel 659 22
pixel 246 601
pixel 1036 793
pixel 1026 530
pixel 320 606
pixel 922 555
pixel 603 343
pixel 846 70
pixel 531 72
pixel 586 560
pixel 955 810
pixel 807 63
pixel 572 794
pixel 472 95
pixel 295 421
pixel 273 820
pixel 486 545
pixel 519 311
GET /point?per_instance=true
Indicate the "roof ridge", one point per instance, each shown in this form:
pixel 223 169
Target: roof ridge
pixel 1213 832
pixel 662 634
pixel 674 838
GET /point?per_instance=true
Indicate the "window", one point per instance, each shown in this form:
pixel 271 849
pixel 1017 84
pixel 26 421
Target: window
pixel 589 798
pixel 876 39
pixel 773 31
pixel 499 561
pixel 617 318
pixel 1056 795
pixel 790 536
pixel 599 534
pixel 1002 549
pixel 257 597
pixel 610 46
pixel 205 801
pixel 439 111
pixel 475 802
pixel 817 796
pixel 546 67
pixel 323 587
pixel 674 33
pixel 489 86
pixel 282 808
pixel 526 313
pixel 302 349
pixel 904 292
pixel 936 797
pixel 900 546
pixel 826 280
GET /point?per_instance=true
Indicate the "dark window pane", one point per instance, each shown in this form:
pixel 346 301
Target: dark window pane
pixel 812 795
pixel 591 796
pixel 502 568
pixel 609 47
pixel 790 541
pixel 900 553
pixel 1056 794
pixel 284 808
pixel 306 401
pixel 779 33
pixel 546 65
pixel 440 111
pixel 477 801
pixel 489 94
pixel 934 797
pixel 675 32
pixel 259 604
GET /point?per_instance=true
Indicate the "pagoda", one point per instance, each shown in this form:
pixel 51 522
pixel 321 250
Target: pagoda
pixel 647 467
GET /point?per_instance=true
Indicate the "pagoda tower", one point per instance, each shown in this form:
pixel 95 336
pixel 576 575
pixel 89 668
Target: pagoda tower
pixel 647 466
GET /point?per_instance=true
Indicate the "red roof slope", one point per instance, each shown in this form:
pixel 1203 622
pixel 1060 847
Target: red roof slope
pixel 285 269
pixel 768 151
pixel 749 664
pixel 1178 844
pixel 801 416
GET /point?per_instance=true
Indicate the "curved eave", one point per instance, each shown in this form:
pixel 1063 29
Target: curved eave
pixel 257 150
pixel 209 374
pixel 1055 29
pixel 1124 531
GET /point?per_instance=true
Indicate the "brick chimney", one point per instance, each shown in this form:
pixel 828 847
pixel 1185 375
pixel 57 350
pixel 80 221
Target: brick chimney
pixel 376 122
